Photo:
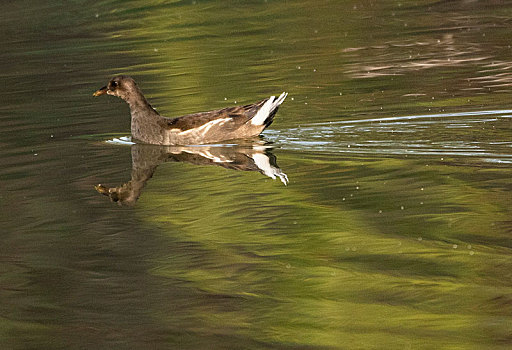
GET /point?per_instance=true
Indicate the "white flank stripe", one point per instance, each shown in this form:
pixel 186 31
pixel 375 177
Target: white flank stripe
pixel 265 110
pixel 205 127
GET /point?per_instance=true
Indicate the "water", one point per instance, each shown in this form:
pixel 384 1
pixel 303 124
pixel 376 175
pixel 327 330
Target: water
pixel 373 214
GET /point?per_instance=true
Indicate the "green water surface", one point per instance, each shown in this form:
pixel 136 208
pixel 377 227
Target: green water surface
pixel 394 231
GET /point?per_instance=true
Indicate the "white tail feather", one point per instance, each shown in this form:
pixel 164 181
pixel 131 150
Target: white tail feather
pixel 267 108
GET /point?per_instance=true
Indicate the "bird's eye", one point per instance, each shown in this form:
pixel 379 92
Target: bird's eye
pixel 113 84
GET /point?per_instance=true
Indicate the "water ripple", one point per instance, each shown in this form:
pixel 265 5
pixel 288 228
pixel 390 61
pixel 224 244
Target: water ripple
pixel 483 135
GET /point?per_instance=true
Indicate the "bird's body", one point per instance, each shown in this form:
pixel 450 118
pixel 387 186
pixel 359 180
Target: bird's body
pixel 229 123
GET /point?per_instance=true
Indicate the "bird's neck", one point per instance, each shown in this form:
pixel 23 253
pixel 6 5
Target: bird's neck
pixel 144 120
pixel 139 106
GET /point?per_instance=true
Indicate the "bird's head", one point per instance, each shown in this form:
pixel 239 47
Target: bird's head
pixel 121 86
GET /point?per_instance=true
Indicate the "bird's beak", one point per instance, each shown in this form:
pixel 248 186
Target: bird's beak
pixel 101 91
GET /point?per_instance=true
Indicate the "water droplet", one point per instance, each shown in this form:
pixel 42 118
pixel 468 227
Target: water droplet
pixel 455 246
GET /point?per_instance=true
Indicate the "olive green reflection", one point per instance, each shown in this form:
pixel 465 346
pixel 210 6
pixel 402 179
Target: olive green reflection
pixel 146 158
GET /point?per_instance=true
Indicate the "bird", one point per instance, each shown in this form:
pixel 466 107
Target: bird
pixel 148 126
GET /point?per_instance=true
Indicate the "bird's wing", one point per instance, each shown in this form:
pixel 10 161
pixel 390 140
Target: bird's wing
pixel 237 116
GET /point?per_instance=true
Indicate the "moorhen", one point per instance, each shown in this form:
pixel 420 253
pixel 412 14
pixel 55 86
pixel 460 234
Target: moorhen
pixel 229 123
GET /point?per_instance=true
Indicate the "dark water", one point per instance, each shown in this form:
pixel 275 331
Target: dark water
pixel 374 214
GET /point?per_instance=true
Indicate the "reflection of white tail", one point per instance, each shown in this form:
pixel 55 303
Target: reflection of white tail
pixel 256 158
pixel 263 162
pixel 268 110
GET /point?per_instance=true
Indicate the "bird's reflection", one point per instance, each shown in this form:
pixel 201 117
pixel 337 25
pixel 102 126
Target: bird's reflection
pixel 146 158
